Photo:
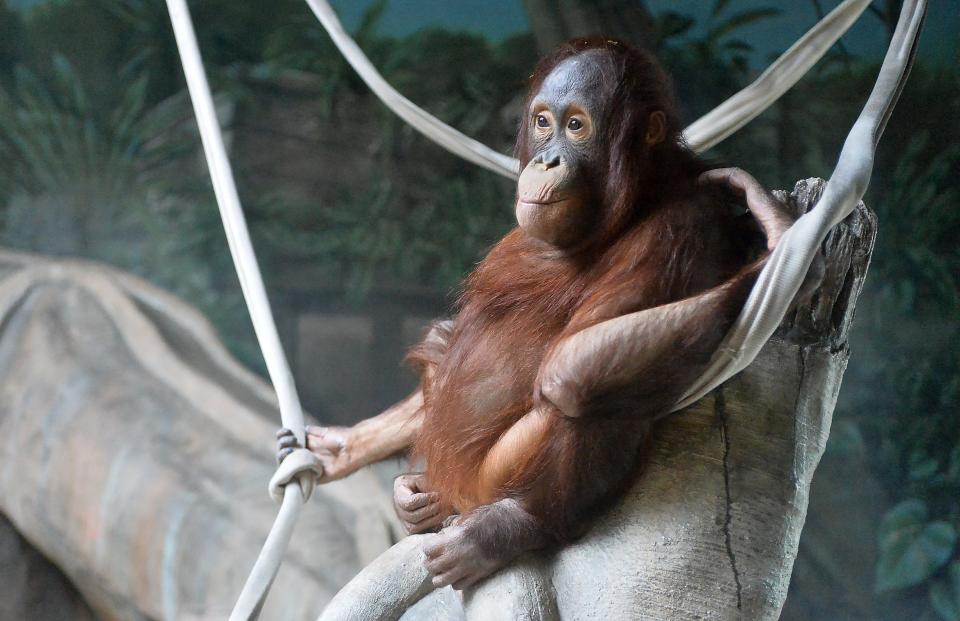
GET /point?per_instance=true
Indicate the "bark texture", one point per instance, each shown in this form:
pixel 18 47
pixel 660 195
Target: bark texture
pixel 135 452
pixel 710 529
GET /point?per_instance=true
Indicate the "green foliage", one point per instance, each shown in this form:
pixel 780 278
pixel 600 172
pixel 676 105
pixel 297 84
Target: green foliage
pixel 945 594
pixel 373 237
pixel 920 258
pixel 88 160
pixel 903 403
pixel 717 54
pixel 424 217
pixel 96 170
pixel 905 387
pixel 299 43
pixel 114 183
pixel 912 548
pixel 53 138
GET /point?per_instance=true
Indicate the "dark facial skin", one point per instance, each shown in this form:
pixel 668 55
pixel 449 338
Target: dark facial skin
pixel 557 192
pixel 554 193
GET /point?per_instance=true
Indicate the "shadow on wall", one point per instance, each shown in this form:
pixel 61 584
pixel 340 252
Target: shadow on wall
pixel 31 587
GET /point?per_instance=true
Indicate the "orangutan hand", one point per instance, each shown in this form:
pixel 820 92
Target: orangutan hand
pixel 331 445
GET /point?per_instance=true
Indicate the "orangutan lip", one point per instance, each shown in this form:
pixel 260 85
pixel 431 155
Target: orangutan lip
pixel 534 203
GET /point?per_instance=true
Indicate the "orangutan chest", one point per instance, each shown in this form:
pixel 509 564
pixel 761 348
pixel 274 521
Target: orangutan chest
pixel 492 370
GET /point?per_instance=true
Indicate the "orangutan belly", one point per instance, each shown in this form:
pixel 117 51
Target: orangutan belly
pixel 482 390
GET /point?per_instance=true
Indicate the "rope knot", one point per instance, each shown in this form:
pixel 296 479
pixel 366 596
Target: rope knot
pixel 300 465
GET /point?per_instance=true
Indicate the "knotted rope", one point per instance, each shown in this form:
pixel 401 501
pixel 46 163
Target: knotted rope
pixel 303 464
pixel 388 587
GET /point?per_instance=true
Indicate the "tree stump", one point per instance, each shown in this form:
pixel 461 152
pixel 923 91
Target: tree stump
pixel 711 527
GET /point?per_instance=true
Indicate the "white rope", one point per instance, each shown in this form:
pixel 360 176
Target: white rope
pixel 425 123
pixel 292 468
pixel 781 278
pixel 715 126
pixel 702 134
pixel 245 261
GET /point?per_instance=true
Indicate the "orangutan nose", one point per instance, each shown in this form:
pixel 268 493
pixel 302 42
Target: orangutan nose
pixel 547 159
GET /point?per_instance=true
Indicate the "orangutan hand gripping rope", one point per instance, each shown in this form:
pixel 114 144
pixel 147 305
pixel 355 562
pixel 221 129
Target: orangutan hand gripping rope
pixel 579 329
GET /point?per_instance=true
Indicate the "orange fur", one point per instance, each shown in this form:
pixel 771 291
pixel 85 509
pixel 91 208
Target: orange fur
pixel 661 238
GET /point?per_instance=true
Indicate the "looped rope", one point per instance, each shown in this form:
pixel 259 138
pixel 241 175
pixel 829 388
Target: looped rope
pixel 268 562
pixel 300 465
pixel 784 272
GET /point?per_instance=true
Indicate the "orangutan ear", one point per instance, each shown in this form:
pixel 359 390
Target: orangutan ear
pixel 656 128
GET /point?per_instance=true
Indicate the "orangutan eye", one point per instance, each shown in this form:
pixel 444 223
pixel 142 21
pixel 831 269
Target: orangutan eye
pixel 542 121
pixel 575 125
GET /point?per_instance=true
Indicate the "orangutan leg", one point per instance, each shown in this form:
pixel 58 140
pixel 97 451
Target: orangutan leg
pixel 514 449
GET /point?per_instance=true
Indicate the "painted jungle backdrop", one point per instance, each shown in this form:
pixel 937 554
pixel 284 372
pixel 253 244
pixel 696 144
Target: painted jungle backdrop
pixel 363 228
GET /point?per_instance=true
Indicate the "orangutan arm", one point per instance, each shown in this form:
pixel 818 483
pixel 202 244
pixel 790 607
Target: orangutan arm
pixel 344 450
pixel 510 451
pixel 646 359
pixel 643 361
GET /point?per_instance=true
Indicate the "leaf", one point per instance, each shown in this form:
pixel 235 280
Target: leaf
pixel 911 549
pixel 903 515
pixel 718 8
pixel 945 594
pixel 740 20
pixel 922 466
pixel 369 22
pixel 672 24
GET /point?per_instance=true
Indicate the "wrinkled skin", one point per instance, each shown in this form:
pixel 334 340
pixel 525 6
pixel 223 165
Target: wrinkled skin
pixel 556 195
pixel 329 444
pixel 419 509
pixel 476 545
pixel 473 546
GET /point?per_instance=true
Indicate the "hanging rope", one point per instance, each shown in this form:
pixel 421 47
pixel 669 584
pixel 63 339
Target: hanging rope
pixel 421 120
pixel 251 283
pixel 783 274
pixel 715 126
pixel 704 133
pixel 388 585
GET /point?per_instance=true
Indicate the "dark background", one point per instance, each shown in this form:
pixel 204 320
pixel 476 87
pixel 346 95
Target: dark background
pixel 363 228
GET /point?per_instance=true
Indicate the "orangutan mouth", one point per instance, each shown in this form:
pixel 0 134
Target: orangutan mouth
pixel 529 202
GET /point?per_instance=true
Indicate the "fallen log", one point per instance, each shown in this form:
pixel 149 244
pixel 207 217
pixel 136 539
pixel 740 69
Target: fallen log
pixel 135 453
